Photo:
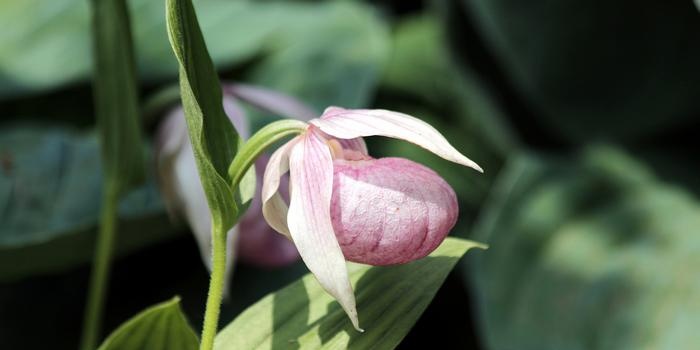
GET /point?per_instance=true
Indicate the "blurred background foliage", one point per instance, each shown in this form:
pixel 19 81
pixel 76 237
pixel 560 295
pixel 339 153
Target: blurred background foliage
pixel 584 115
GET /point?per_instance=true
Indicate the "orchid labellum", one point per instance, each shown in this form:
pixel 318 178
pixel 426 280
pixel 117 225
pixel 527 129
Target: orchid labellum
pixel 346 205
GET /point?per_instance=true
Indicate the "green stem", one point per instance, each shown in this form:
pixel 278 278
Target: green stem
pixel 100 269
pixel 216 288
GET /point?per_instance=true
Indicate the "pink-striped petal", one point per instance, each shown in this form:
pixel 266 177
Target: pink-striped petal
pixel 311 178
pixel 273 206
pixel 354 123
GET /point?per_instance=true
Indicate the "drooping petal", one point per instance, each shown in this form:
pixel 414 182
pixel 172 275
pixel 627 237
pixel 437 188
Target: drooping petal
pixel 311 170
pixel 258 243
pixel 271 101
pixel 273 206
pixel 353 123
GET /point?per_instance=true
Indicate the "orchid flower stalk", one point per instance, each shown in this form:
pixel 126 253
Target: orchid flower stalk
pixel 346 205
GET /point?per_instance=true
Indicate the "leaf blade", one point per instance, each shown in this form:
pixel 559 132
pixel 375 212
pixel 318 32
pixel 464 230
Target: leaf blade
pixel 214 140
pixel 390 300
pixel 162 326
pixel 116 95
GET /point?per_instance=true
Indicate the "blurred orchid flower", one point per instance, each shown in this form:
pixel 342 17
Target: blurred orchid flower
pixel 345 204
pixel 252 240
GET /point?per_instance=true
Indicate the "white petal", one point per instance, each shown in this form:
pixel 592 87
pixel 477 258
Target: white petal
pixel 353 123
pixel 273 206
pixel 309 219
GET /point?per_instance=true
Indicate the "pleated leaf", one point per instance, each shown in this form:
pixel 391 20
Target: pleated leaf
pixel 160 327
pixel 213 137
pixel 389 301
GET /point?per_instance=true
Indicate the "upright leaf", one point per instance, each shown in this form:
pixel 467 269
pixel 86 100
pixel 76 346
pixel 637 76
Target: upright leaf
pixel 116 95
pixel 213 137
pixel 116 101
pixel 303 315
pixel 160 327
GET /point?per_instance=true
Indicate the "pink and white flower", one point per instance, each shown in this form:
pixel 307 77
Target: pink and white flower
pixel 346 205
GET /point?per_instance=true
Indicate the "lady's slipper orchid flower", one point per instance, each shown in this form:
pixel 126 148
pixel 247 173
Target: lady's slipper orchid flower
pixel 345 204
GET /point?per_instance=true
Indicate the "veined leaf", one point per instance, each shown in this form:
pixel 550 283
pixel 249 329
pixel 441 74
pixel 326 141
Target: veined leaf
pixel 160 327
pixel 593 252
pixel 340 41
pixel 214 140
pixel 389 301
pixel 50 188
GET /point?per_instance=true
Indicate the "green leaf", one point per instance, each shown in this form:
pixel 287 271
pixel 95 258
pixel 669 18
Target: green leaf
pixel 50 189
pixel 116 99
pixel 389 300
pixel 582 72
pixel 592 252
pixel 214 140
pixel 162 326
pixel 60 29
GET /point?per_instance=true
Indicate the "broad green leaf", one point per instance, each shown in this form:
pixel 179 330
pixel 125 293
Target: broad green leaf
pixel 50 189
pixel 60 29
pixel 389 300
pixel 591 252
pixel 115 87
pixel 214 140
pixel 162 326
pixel 584 70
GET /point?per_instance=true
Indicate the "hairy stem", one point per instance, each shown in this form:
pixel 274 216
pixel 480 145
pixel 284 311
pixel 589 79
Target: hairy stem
pixel 100 269
pixel 216 288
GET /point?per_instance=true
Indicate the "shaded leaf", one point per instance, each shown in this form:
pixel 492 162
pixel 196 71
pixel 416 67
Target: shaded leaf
pixel 302 315
pixel 162 326
pixel 586 69
pixel 50 189
pixel 588 253
pixel 281 32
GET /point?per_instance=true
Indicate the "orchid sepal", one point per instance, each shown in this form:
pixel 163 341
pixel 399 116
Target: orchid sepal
pixel 354 123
